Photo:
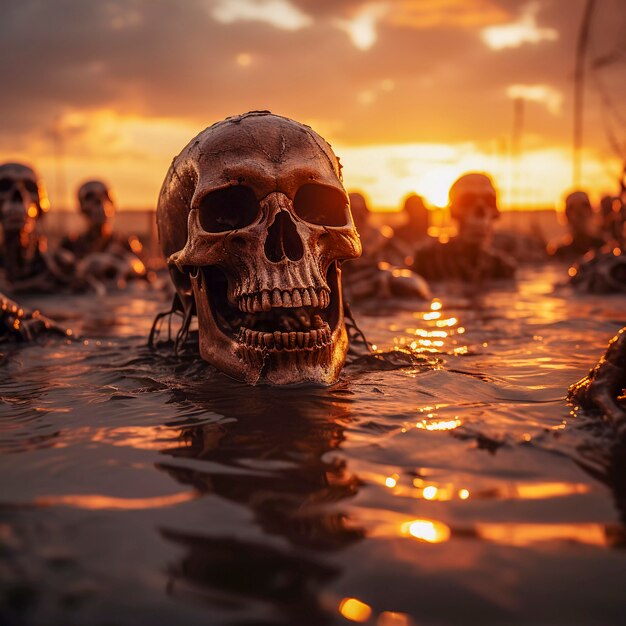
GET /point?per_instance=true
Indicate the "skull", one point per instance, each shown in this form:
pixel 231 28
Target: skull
pixel 579 212
pixel 96 204
pixel 474 206
pixel 21 198
pixel 253 221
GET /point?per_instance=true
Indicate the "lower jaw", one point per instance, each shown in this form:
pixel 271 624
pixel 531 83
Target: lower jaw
pixel 320 366
pixel 313 366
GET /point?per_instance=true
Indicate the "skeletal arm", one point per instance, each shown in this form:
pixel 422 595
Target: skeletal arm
pixel 604 387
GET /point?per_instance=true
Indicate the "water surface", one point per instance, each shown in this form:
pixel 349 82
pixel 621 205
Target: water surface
pixel 142 488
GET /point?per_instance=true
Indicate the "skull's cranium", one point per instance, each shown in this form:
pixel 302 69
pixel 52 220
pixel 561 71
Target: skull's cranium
pixel 253 221
pixel 473 204
pixel 96 204
pixel 20 197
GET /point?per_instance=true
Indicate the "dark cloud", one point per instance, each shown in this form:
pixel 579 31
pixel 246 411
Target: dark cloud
pixel 172 59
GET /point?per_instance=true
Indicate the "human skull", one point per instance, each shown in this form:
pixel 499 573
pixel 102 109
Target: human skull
pixel 96 204
pixel 578 212
pixel 20 197
pixel 253 221
pixel 473 205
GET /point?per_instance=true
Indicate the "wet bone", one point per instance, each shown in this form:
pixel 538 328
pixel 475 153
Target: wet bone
pixel 253 221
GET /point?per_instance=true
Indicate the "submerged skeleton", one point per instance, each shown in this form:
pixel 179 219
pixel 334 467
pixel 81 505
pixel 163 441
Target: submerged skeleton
pixel 581 237
pixel 380 273
pixel 93 262
pixel 102 258
pixel 601 272
pixel 469 256
pixel 254 222
pixel 24 260
pixel 604 388
pixel 18 323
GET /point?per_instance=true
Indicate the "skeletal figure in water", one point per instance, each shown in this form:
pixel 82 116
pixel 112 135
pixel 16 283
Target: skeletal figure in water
pixel 602 272
pixel 18 323
pixel 254 223
pixel 604 388
pixel 101 258
pixel 469 256
pixel 582 236
pixel 380 272
pixel 24 260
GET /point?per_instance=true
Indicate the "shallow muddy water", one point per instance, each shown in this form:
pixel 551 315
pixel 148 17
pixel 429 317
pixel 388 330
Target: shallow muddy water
pixel 462 489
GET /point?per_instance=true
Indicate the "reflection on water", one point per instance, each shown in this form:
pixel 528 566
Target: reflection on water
pixel 457 488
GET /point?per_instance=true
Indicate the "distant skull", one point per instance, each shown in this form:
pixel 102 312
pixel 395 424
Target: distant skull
pixel 473 205
pixel 96 204
pixel 578 211
pixel 20 200
pixel 253 221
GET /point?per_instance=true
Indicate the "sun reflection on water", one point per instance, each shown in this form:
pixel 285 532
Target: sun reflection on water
pixel 439 331
pixel 97 502
pixel 426 530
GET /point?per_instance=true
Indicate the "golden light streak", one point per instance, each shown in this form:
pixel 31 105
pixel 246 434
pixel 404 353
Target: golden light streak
pixel 541 491
pixel 139 437
pixel 99 502
pixel 434 425
pixel 451 13
pixel 355 610
pixel 528 534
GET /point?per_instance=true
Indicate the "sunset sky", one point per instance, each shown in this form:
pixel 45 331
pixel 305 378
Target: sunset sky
pixel 410 93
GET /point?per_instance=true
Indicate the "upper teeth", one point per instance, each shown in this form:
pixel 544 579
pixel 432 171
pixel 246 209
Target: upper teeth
pixel 265 300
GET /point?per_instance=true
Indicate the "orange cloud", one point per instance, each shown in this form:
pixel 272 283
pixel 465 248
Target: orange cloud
pixel 456 13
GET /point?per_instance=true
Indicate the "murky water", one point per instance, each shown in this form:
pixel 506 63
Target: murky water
pixel 137 489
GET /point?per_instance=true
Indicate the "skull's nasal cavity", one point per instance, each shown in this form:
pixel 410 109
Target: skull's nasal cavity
pixel 283 240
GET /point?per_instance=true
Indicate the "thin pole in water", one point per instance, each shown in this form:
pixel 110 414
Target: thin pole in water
pixel 579 77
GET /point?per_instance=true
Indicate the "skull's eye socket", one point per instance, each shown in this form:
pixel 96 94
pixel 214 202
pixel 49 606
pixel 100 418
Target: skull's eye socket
pixel 31 187
pixel 228 209
pixel 5 184
pixel 321 205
